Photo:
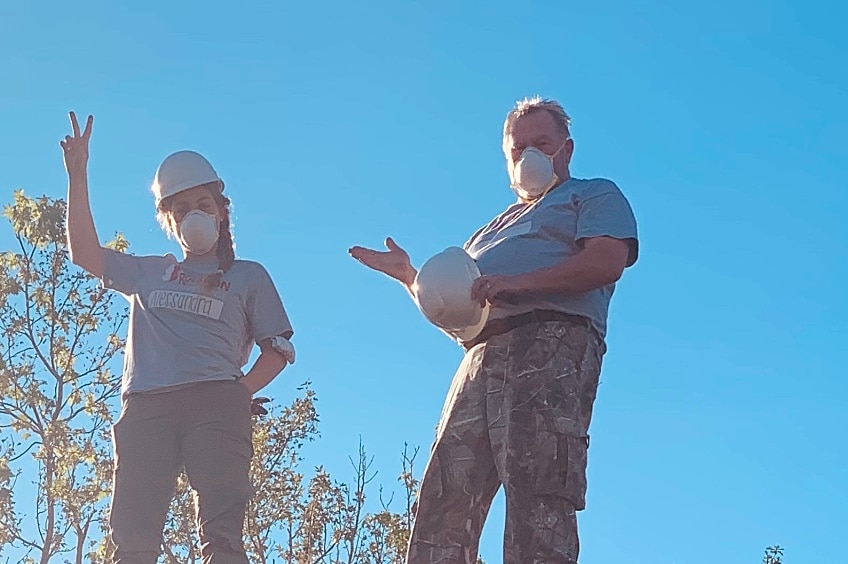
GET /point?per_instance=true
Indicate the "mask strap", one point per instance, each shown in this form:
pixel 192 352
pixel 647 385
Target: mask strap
pixel 556 176
pixel 560 148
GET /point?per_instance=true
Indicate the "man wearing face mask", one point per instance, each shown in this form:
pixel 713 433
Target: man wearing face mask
pixel 520 405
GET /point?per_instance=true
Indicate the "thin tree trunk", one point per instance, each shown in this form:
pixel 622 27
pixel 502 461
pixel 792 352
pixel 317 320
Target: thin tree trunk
pixel 51 508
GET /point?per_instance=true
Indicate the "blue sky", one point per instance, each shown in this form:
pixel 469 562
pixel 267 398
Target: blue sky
pixel 719 427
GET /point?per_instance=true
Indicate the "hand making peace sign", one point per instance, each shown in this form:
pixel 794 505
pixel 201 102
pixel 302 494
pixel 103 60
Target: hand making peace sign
pixel 76 147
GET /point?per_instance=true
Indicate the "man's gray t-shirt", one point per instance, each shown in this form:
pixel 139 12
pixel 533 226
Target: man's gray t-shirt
pixel 528 237
pixel 180 333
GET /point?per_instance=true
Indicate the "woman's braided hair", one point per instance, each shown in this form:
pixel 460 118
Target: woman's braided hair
pixel 226 251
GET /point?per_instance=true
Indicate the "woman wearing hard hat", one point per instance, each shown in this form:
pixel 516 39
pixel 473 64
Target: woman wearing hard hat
pixel 185 401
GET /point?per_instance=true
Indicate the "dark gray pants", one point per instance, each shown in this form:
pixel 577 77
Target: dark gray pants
pixel 204 428
pixel 517 414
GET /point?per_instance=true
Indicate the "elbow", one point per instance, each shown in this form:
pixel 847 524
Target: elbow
pixel 280 364
pixel 281 361
pixel 77 257
pixel 89 260
pixel 75 253
pixel 73 256
pixel 616 274
pixel 608 259
pixel 277 361
pixel 613 269
pixel 610 275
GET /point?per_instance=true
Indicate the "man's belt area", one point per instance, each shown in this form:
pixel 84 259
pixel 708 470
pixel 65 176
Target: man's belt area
pixel 506 324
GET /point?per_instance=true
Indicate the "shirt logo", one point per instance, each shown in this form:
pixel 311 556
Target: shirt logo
pixel 176 274
pixel 185 301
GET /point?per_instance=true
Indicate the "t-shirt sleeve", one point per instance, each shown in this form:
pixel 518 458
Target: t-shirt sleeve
pixel 604 212
pixel 122 272
pixel 268 317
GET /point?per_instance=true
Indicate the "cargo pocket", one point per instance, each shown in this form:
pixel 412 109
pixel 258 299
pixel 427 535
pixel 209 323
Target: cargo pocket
pixel 575 477
pixel 555 464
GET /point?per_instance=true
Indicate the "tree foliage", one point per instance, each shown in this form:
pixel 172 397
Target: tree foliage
pixel 773 555
pixel 59 336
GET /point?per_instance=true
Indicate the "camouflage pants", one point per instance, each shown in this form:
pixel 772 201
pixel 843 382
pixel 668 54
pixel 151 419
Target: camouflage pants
pixel 517 414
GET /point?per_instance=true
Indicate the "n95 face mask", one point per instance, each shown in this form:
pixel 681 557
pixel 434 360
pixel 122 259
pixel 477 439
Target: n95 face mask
pixel 198 231
pixel 533 174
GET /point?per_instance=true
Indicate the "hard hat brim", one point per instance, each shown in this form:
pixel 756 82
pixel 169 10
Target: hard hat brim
pixel 173 191
pixel 470 332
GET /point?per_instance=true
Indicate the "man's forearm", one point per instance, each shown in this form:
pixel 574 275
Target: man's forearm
pixel 587 270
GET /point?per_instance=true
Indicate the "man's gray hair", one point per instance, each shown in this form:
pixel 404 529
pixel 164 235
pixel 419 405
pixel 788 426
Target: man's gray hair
pixel 535 104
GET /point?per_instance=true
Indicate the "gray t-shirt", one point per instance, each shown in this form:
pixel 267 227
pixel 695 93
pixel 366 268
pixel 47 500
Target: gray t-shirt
pixel 528 237
pixel 179 334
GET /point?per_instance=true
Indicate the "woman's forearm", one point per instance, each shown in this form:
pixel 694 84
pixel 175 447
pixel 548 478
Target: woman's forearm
pixel 264 370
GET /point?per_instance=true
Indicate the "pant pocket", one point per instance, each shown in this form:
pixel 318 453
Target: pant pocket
pixel 575 477
pixel 555 464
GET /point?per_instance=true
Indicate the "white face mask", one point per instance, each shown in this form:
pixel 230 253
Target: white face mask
pixel 533 175
pixel 198 232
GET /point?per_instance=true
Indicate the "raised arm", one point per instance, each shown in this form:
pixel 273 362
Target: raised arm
pixel 83 243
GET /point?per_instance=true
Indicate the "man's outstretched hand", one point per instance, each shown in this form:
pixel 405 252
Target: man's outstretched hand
pixel 394 262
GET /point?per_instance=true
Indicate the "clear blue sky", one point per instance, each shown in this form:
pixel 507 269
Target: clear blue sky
pixel 720 423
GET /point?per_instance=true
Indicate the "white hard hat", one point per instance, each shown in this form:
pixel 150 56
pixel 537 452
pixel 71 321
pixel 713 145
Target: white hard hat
pixel 443 293
pixel 181 171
